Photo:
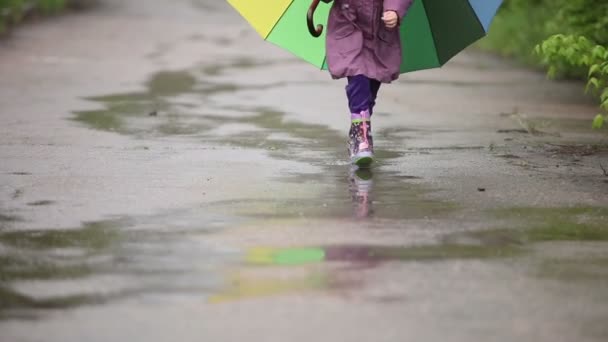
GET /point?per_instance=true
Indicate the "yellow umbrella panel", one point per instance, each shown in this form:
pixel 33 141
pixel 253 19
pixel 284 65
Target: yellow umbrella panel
pixel 283 22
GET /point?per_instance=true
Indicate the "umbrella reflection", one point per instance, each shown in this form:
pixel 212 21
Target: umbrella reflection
pixel 339 269
pixel 296 272
pixel 344 277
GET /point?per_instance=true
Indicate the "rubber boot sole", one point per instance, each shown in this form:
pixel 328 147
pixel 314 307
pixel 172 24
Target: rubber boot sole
pixel 363 159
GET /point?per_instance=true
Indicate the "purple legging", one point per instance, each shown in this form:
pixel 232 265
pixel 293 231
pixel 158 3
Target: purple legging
pixel 362 92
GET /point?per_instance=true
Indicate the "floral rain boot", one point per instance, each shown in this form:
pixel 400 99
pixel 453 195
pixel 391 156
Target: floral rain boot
pixel 361 143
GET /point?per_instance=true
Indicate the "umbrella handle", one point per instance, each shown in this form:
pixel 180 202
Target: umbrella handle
pixel 315 32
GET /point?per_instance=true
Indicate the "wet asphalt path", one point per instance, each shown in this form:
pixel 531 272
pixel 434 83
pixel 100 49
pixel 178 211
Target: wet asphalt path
pixel 166 175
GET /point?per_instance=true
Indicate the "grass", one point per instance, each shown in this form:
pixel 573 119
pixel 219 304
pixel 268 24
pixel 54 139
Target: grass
pixel 12 12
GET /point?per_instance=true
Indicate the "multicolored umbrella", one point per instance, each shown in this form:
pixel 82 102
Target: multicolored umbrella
pixel 433 32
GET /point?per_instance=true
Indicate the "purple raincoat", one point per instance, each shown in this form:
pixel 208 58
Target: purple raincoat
pixel 358 42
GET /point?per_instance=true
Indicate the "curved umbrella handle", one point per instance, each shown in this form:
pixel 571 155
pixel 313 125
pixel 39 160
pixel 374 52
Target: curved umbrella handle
pixel 315 32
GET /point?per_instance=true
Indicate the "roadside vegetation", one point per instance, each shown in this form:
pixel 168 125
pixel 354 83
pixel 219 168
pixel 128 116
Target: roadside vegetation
pixel 12 12
pixel 569 38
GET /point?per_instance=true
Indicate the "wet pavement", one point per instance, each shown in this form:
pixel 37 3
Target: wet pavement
pixel 166 175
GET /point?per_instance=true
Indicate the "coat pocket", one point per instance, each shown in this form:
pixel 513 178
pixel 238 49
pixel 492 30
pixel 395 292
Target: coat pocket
pixel 388 36
pixel 344 30
pixel 388 50
pixel 348 43
pixel 344 36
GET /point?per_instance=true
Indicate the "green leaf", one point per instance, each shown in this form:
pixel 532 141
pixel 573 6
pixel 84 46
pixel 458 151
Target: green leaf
pixel 604 95
pixel 593 82
pixel 598 122
pixel 594 68
pixel 552 72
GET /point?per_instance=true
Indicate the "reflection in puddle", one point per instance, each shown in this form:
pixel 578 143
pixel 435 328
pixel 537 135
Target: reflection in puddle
pixel 577 268
pixel 101 262
pixel 6 219
pixel 186 108
pixel 550 224
pixel 156 256
pixel 342 268
pixel 40 203
pixel 361 186
pixel 47 255
pixel 334 269
pixel 372 255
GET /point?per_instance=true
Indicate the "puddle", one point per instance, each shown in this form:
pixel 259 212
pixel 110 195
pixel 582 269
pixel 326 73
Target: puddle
pixel 130 113
pixel 47 255
pixel 508 156
pixel 11 300
pixel 173 103
pixel 373 254
pixel 105 261
pixel 149 256
pixel 40 203
pixel 569 243
pixel 9 218
pixel 347 195
pixel 576 269
pixel 274 271
pixel 6 219
pixel 529 225
pixel 20 173
pixel 182 105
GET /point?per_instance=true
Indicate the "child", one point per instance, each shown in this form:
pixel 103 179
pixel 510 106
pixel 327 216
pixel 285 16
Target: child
pixel 363 44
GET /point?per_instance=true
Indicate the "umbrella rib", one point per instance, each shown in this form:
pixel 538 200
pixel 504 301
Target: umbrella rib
pixel 477 17
pixel 279 20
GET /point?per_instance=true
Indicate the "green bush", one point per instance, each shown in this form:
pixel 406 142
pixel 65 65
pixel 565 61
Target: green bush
pixel 13 11
pixel 581 50
pixel 564 53
pixel 568 37
pixel 518 27
pixel 587 18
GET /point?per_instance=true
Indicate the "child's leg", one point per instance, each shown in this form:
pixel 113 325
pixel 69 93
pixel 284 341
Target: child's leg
pixel 362 93
pixel 360 99
pixel 374 86
pixel 359 94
